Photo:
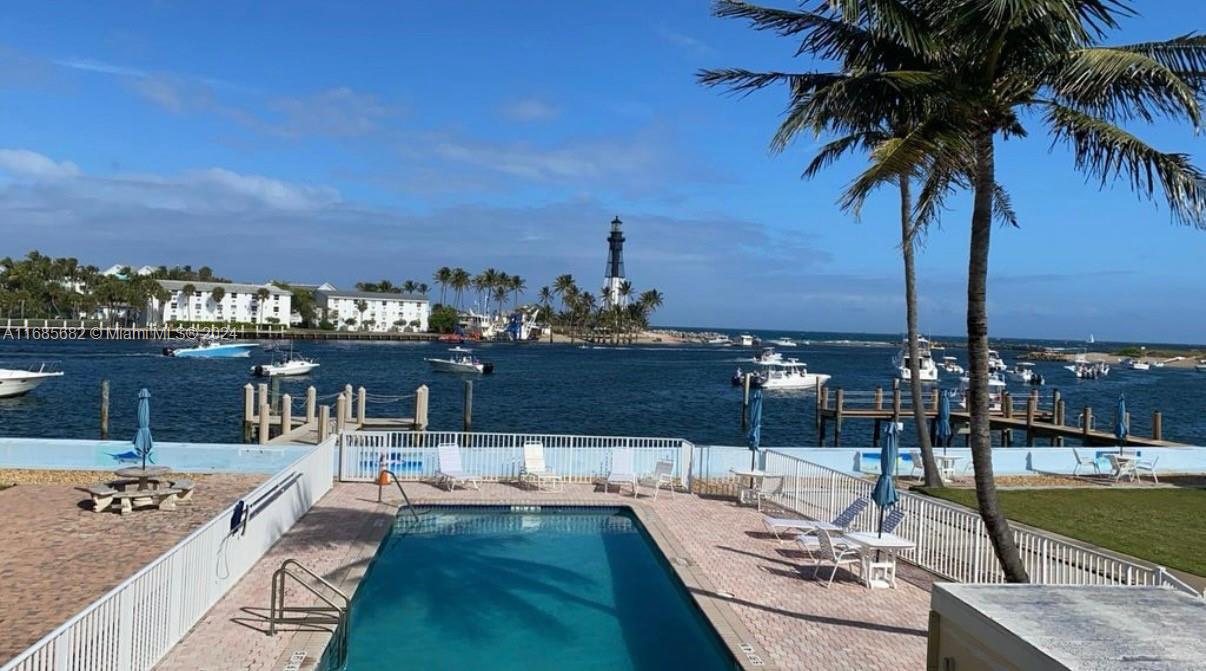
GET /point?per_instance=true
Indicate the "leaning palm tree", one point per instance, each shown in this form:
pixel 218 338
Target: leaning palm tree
pixel 988 67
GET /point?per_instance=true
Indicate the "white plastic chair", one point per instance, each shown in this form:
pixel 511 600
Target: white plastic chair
pixel 534 468
pixel 450 471
pixel 1123 468
pixel 835 554
pixel 1084 461
pixel 1149 466
pixel 842 522
pixel 623 470
pixel 663 474
pixel 918 465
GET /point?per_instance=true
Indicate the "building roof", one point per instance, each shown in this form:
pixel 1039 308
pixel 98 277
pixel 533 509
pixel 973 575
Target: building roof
pixel 325 286
pixel 177 285
pixel 374 295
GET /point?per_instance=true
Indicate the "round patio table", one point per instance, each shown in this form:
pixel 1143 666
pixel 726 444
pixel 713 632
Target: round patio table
pixel 144 475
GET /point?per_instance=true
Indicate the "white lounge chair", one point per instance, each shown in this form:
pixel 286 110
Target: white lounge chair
pixel 449 470
pixel 534 469
pixel 834 553
pixel 663 474
pixel 623 470
pixel 1147 466
pixel 804 527
pixel 1084 461
pixel 917 464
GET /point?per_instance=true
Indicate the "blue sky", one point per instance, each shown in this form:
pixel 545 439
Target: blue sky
pixel 314 141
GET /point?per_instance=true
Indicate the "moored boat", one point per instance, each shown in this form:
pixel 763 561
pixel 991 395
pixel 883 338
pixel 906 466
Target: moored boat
pixel 951 365
pixel 996 391
pixel 927 370
pixel 460 360
pixel 995 363
pixel 15 382
pixel 1024 372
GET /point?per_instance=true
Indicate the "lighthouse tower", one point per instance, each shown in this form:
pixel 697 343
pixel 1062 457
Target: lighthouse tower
pixel 613 276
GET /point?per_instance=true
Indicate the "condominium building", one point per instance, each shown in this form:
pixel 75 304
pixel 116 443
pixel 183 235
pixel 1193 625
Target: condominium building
pixel 381 312
pixel 235 303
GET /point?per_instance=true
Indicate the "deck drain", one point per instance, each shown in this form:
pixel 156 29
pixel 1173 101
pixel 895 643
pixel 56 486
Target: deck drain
pixel 295 661
pixel 752 657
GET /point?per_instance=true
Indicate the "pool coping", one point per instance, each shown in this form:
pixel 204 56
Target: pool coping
pixel 306 648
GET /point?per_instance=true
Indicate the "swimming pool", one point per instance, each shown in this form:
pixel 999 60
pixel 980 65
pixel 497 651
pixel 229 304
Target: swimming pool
pixel 39 453
pixel 573 589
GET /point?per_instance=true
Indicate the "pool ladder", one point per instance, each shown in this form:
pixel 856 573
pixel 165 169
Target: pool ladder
pixel 394 476
pixel 337 603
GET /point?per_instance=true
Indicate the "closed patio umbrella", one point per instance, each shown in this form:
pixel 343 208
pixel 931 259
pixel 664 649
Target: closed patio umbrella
pixel 884 495
pixel 143 444
pixel 1122 427
pixel 943 430
pixel 754 438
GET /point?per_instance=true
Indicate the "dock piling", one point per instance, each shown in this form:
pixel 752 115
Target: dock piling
pixel 324 422
pixel 311 403
pixel 347 409
pixel 361 398
pixel 1157 425
pixel 421 407
pixel 265 417
pixel 468 409
pixel 286 414
pixel 341 413
pixel 745 400
pixel 837 418
pixel 104 410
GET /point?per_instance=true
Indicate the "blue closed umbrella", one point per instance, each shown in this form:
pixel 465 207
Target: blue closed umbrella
pixel 143 444
pixel 754 438
pixel 884 495
pixel 943 430
pixel 1122 427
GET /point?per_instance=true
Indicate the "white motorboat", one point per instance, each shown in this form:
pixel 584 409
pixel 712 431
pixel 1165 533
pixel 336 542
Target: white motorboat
pixel 722 341
pixel 1023 371
pixel 951 365
pixel 284 367
pixel 1084 369
pixel 460 360
pixel 1200 366
pixel 783 342
pixel 747 340
pixel 212 348
pixel 20 382
pixel 785 374
pixel 767 355
pixel 995 363
pixel 1136 364
pixel 925 362
pixel 996 390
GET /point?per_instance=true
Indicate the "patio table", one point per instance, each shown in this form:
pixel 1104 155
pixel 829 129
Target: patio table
pixel 145 475
pixel 753 474
pixel 889 544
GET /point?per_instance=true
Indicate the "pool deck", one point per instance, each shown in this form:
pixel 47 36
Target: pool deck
pixel 57 556
pixel 751 587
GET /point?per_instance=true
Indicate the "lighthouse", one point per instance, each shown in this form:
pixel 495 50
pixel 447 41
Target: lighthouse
pixel 613 276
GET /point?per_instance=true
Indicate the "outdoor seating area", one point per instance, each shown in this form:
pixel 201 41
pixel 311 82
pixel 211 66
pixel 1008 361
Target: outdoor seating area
pixel 127 495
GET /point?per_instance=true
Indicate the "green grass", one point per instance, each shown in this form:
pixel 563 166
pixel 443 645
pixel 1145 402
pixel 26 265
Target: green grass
pixel 1165 526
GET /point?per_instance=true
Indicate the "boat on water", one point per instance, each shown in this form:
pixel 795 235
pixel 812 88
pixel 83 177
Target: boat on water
pixel 1024 372
pixel 951 365
pixel 460 360
pixel 747 340
pixel 785 374
pixel 1200 366
pixel 721 341
pixel 1084 369
pixel 767 355
pixel 15 382
pixel 212 348
pixel 289 365
pixel 995 363
pixel 996 391
pixel 1136 364
pixel 927 369
pixel 783 342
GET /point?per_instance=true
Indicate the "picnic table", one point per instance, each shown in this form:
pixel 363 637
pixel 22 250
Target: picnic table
pixel 145 475
pixel 877 573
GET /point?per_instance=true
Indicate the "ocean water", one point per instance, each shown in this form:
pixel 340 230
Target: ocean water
pixel 572 590
pixel 632 390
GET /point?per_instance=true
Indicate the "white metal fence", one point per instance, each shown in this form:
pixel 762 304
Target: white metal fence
pixel 951 540
pixel 135 624
pixel 499 456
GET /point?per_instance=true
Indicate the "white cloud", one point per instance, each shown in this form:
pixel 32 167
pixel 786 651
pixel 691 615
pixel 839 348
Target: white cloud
pixel 530 109
pixel 581 161
pixel 28 164
pixel 694 46
pixel 336 112
pixel 100 67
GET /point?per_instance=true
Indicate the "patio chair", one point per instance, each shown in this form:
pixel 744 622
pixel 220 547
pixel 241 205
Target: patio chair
pixel 1123 468
pixel 805 527
pixel 623 470
pixel 449 470
pixel 534 469
pixel 917 464
pixel 837 554
pixel 1084 461
pixel 893 520
pixel 1149 466
pixel 663 474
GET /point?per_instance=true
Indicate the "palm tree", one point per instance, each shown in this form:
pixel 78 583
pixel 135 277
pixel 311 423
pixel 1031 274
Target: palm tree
pixel 443 277
pixel 186 298
pixel 261 302
pixel 459 282
pixel 422 288
pixel 561 286
pixel 517 285
pixel 362 307
pixel 545 296
pixel 217 294
pixel 855 130
pixel 409 286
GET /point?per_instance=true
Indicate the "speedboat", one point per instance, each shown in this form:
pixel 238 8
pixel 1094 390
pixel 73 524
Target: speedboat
pixel 747 340
pixel 783 342
pixel 20 382
pixel 995 363
pixel 785 374
pixel 460 360
pixel 1200 366
pixel 1023 372
pixel 996 391
pixel 1136 364
pixel 927 370
pixel 951 365
pixel 212 348
pixel 286 366
pixel 722 341
pixel 1084 369
pixel 767 355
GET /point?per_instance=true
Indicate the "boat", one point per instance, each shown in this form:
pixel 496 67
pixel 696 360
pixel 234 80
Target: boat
pixel 1136 364
pixel 288 365
pixel 14 382
pixel 1084 369
pixel 767 355
pixel 1200 366
pixel 925 362
pixel 783 342
pixel 951 365
pixel 785 374
pixel 747 340
pixel 460 360
pixel 212 348
pixel 996 391
pixel 995 363
pixel 1024 372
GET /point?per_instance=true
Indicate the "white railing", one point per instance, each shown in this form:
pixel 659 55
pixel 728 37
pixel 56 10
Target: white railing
pixel 137 622
pixel 499 456
pixel 951 540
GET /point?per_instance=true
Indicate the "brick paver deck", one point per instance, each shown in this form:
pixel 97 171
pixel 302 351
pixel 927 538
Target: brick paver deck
pixel 765 599
pixel 57 556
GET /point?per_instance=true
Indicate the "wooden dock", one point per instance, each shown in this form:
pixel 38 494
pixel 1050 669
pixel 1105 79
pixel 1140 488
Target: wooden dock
pixel 268 417
pixel 1023 420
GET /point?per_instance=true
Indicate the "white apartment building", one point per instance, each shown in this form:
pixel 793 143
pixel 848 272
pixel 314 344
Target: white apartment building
pixel 115 270
pixel 239 303
pixel 383 312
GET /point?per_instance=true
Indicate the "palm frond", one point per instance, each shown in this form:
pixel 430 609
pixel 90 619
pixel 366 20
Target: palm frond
pixel 924 146
pixel 1107 151
pixel 898 21
pixel 1184 55
pixel 738 81
pixel 1002 206
pixel 1121 84
pixel 835 149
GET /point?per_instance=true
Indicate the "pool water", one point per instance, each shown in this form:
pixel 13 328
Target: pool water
pixel 487 588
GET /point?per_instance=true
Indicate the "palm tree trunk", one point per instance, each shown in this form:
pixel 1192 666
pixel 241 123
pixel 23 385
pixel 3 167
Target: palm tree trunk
pixel 977 351
pixel 932 477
